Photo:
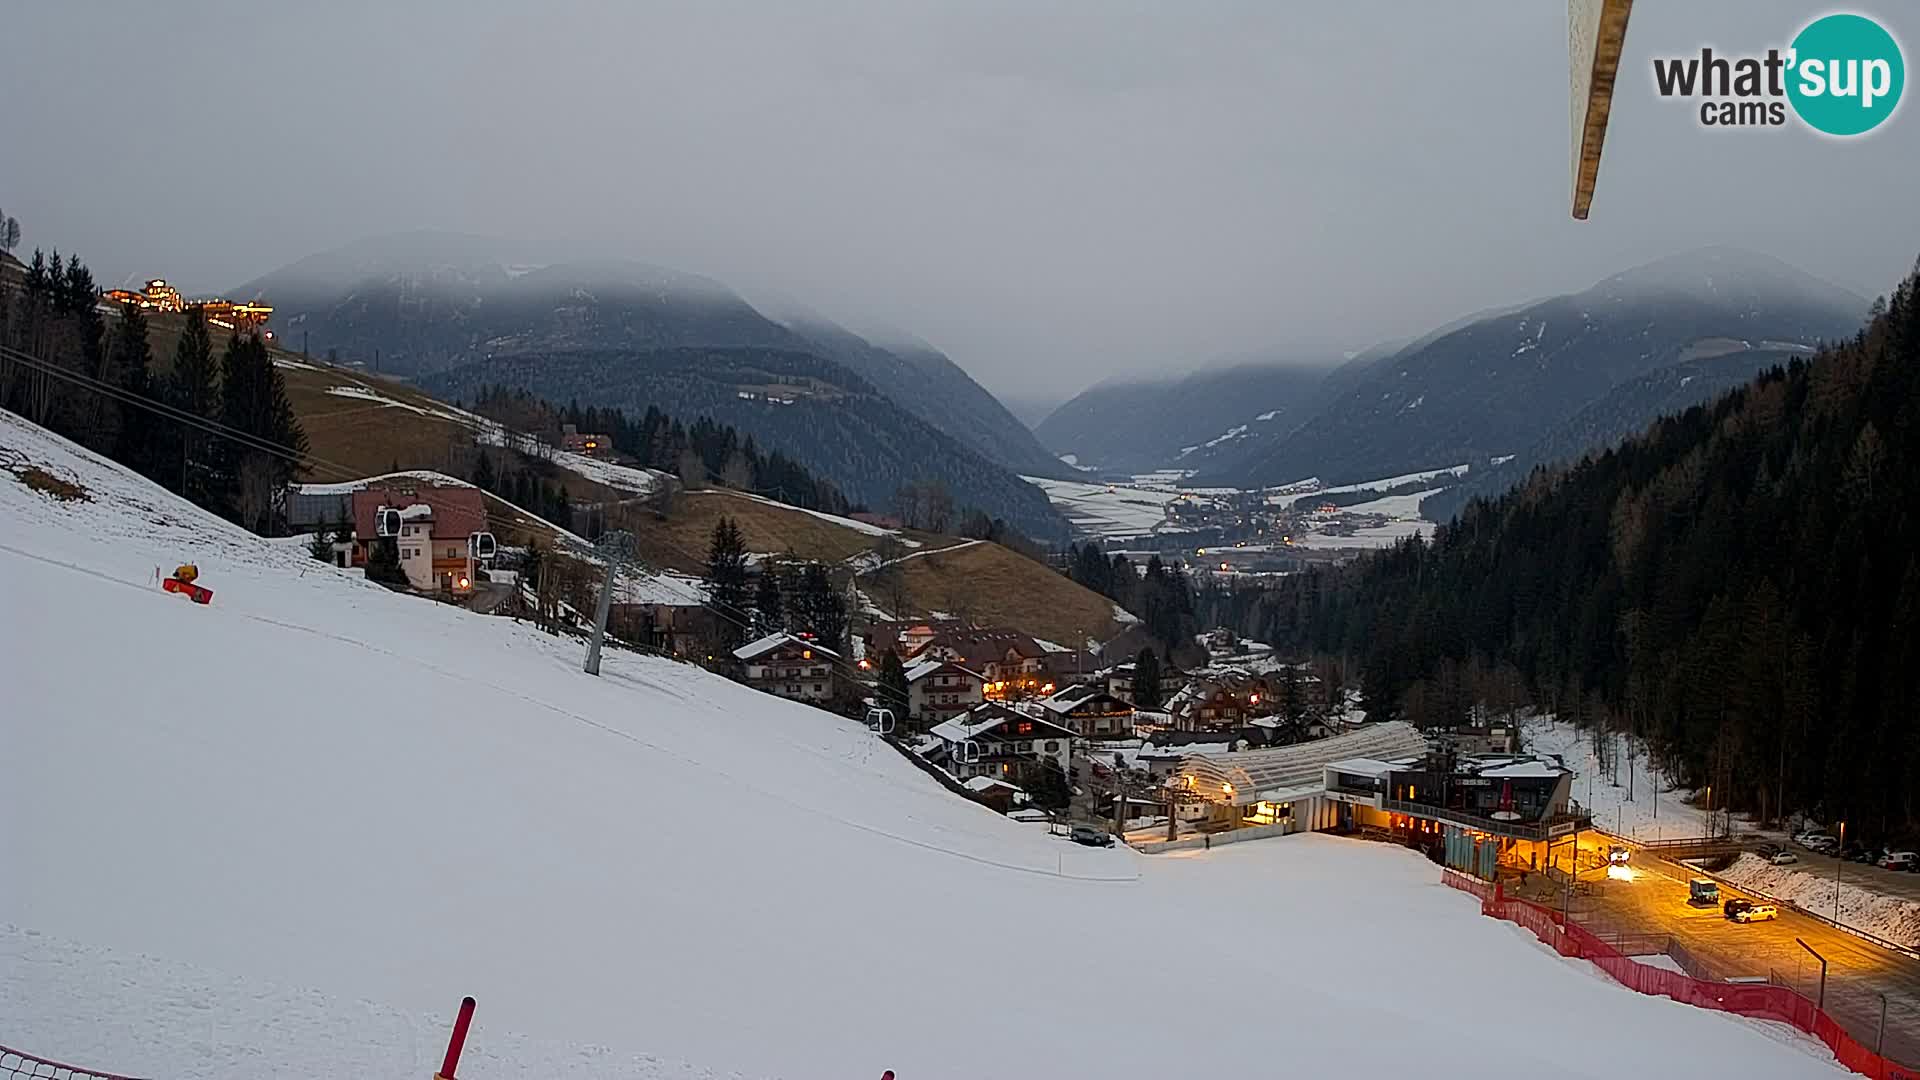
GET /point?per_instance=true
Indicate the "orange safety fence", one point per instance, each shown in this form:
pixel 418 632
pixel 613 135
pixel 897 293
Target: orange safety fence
pixel 1764 1002
pixel 15 1065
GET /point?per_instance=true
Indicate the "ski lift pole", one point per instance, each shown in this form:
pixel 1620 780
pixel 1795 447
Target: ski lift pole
pixel 615 545
pixel 600 621
pixel 458 1042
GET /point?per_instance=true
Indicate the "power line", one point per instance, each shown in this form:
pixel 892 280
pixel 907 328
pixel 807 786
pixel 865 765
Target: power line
pixel 308 458
pixel 169 411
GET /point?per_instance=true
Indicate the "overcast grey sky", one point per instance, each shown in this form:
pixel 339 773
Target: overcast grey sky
pixel 1054 193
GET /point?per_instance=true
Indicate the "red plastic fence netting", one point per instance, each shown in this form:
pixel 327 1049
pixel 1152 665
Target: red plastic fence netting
pixel 15 1065
pixel 1761 1002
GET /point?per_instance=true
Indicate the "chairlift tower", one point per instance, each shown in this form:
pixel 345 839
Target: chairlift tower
pixel 616 546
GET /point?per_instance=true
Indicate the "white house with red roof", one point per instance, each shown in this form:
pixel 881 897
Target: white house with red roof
pixel 435 522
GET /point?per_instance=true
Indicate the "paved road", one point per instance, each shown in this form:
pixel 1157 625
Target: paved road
pixel 1859 972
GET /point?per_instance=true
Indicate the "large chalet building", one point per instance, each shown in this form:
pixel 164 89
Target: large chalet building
pixel 1217 703
pixel 791 667
pixel 938 690
pixel 1012 664
pixel 1090 712
pixel 992 740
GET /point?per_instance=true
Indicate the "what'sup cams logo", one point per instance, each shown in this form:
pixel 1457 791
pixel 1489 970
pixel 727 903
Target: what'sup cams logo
pixel 1842 76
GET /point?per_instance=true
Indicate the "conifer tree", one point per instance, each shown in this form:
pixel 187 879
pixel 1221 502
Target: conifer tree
pixel 1293 702
pixel 483 475
pixel 138 443
pixel 194 389
pixel 383 563
pixel 1146 680
pixel 892 688
pixel 727 579
pixel 253 401
pixel 768 614
pixel 821 606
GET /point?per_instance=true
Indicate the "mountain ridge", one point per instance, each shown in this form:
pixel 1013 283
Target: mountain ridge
pixel 413 304
pixel 1495 386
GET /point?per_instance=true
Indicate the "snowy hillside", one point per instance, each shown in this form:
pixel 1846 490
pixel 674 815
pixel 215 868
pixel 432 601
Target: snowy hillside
pixel 282 834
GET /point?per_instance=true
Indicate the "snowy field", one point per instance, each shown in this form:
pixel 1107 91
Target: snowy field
pixel 1108 510
pixel 283 834
pixel 1404 520
pixel 1395 506
pixel 1623 807
pixel 1453 472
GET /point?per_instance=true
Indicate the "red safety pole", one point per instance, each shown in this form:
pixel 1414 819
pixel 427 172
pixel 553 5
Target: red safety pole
pixel 458 1042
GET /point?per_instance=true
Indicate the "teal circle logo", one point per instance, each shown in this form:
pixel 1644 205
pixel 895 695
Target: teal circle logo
pixel 1846 74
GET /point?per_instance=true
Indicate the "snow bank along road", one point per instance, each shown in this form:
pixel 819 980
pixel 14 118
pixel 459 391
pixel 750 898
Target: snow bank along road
pixel 240 827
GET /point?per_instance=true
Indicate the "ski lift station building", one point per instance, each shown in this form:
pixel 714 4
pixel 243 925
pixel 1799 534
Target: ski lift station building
pixel 1384 778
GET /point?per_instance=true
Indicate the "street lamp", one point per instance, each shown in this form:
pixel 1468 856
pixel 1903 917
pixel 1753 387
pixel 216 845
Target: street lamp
pixel 1822 1004
pixel 1839 860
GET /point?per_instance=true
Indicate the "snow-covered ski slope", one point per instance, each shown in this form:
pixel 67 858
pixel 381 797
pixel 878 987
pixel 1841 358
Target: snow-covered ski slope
pixel 282 834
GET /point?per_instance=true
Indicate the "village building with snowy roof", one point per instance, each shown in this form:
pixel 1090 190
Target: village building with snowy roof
pixel 789 666
pixel 938 690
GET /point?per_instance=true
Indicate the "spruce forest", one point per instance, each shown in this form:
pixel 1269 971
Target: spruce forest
pixel 1740 585
pixel 701 453
pixel 215 427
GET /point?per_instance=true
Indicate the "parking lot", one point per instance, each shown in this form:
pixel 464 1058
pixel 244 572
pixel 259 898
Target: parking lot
pixel 1650 896
pixel 1898 883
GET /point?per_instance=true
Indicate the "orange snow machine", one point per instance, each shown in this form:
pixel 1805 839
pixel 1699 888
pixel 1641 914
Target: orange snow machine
pixel 183 581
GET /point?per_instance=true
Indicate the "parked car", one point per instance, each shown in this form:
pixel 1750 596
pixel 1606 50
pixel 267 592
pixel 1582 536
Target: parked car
pixel 1899 860
pixel 1703 892
pixel 1734 907
pixel 1752 912
pixel 1783 858
pixel 1819 842
pixel 1091 836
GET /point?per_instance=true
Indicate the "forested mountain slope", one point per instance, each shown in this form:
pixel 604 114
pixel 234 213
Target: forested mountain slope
pixel 1740 584
pixel 1144 425
pixel 1500 384
pixel 810 409
pixel 1625 410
